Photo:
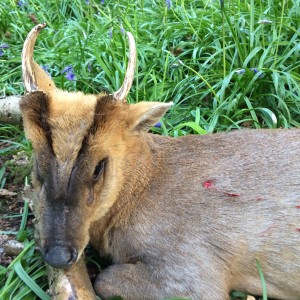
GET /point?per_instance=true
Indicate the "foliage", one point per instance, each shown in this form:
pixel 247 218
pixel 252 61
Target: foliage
pixel 237 63
pixel 225 65
pixel 18 280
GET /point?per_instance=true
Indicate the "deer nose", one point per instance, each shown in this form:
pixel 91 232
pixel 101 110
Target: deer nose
pixel 60 257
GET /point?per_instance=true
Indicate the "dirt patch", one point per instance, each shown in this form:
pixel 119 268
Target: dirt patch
pixel 17 167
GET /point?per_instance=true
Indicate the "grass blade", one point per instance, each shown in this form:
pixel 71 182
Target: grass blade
pixel 262 279
pixel 29 282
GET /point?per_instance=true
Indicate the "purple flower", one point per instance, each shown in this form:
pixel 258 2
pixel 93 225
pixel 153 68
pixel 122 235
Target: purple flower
pixel 4 46
pixel 102 1
pixel 158 125
pixel 110 33
pixel 67 69
pixel 87 1
pixel 241 71
pixel 122 30
pixel 89 67
pixel 22 3
pixel 69 73
pixel 169 4
pixel 255 71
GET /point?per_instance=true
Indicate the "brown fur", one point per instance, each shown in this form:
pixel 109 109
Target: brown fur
pixel 184 217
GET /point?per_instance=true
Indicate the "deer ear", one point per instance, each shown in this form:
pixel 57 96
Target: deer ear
pixel 43 80
pixel 143 115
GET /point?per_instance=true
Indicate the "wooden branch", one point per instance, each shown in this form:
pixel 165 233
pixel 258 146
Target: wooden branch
pixel 9 110
pixel 71 284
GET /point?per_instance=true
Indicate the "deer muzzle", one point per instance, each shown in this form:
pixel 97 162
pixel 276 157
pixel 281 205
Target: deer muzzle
pixel 60 256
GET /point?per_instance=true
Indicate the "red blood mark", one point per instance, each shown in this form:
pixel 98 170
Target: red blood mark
pixel 210 185
pixel 259 198
pixel 298 229
pixel 297 206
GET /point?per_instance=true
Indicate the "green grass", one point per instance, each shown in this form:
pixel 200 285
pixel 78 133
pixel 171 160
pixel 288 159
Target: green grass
pixel 224 67
pixel 18 280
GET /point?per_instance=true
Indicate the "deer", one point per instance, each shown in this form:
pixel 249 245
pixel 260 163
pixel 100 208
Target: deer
pixel 187 217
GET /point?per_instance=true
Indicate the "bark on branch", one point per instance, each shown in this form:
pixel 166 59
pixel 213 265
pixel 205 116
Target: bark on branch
pixel 71 284
pixel 9 110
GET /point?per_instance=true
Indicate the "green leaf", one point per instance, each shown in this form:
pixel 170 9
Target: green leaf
pixel 29 282
pixel 197 129
pixel 262 279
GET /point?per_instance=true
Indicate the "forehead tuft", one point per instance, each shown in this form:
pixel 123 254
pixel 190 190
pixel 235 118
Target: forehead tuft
pixel 76 104
pixel 70 117
pixel 63 121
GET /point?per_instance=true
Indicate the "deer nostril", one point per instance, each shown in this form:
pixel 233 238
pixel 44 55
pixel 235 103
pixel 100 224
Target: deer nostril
pixel 73 256
pixel 60 257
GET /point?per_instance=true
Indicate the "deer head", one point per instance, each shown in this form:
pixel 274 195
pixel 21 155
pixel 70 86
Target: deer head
pixel 86 153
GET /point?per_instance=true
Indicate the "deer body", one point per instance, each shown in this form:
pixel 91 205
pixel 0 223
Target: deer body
pixel 216 204
pixel 187 217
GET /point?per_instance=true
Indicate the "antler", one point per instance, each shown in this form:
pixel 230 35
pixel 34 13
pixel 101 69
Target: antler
pixel 34 77
pixel 123 91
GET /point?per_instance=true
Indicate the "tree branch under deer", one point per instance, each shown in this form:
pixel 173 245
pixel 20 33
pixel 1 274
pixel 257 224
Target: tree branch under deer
pixel 9 110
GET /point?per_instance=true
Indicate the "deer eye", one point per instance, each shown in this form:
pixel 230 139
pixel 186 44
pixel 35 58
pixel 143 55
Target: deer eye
pixel 99 169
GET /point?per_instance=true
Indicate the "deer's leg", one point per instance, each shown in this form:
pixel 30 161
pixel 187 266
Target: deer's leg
pixel 130 281
pixel 134 281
